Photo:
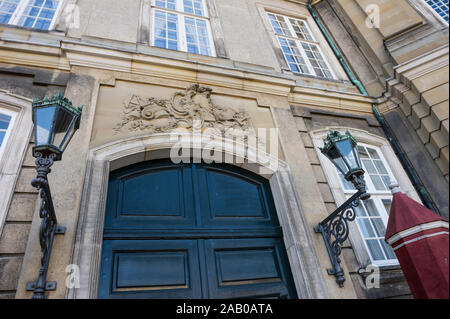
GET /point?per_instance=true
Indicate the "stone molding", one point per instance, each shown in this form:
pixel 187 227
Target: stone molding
pixel 15 149
pixel 407 91
pixel 217 72
pixel 101 160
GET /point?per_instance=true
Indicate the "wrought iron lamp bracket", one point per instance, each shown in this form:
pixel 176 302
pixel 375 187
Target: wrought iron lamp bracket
pixel 335 228
pixel 49 225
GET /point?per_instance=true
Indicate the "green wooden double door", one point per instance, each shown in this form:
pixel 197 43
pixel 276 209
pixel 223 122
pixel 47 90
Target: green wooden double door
pixel 192 231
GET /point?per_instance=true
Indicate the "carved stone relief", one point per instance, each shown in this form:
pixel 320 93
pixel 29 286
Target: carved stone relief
pixel 192 109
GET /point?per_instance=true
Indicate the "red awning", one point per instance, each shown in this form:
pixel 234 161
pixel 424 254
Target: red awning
pixel 420 239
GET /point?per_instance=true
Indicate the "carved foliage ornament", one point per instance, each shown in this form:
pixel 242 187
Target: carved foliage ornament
pixel 184 110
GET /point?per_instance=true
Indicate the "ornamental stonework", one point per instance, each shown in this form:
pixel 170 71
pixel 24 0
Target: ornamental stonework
pixel 191 109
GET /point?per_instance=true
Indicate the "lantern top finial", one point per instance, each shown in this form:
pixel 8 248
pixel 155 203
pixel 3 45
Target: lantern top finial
pixel 336 136
pixel 56 120
pixel 58 99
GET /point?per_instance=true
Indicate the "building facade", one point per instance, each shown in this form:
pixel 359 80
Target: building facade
pixel 157 76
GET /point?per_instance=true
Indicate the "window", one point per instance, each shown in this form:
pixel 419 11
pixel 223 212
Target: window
pixel 440 7
pixel 182 25
pixel 372 214
pixel 6 122
pixel 301 51
pixel 38 14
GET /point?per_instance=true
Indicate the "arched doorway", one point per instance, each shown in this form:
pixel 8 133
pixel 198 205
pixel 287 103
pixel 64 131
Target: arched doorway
pixel 192 231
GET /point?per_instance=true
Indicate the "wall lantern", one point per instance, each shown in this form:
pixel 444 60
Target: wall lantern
pixel 55 122
pixel 342 150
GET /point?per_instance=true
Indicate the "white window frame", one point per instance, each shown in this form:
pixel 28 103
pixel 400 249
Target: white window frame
pixel 437 15
pixel 377 198
pixel 182 42
pixel 15 147
pixel 370 186
pixel 298 42
pixel 8 130
pixel 15 17
pixel 340 195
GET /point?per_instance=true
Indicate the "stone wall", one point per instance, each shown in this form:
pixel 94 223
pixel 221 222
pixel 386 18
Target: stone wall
pixel 405 63
pixel 108 59
pixel 392 281
pixel 25 82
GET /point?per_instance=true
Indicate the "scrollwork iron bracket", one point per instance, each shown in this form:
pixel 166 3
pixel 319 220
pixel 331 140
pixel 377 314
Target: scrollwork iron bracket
pixel 49 225
pixel 335 229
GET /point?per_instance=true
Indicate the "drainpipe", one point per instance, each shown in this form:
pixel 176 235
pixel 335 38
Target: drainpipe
pixel 418 185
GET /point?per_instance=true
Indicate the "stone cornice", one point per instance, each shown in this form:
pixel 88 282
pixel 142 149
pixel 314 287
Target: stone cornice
pixel 421 65
pixel 73 54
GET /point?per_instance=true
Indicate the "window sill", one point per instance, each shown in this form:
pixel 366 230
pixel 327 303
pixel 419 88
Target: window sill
pixel 362 271
pixel 317 77
pixel 27 29
pixel 390 267
pixel 32 36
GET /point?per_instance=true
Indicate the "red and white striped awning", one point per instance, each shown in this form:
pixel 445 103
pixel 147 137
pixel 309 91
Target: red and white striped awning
pixel 420 239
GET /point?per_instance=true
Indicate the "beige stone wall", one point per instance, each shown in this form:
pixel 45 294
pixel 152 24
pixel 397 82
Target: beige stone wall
pixel 243 26
pixel 16 228
pixel 111 101
pixel 420 90
pixel 407 30
pixel 107 65
pixel 405 63
pixel 103 93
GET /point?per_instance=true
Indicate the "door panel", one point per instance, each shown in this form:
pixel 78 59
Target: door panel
pixel 244 197
pixel 248 268
pixel 150 197
pixel 143 194
pixel 150 269
pixel 192 231
pixel 229 199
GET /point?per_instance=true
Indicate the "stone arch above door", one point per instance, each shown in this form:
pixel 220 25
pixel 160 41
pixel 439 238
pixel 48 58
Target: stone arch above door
pixel 102 160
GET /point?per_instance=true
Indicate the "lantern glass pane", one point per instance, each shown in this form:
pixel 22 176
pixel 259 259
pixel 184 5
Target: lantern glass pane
pixel 62 126
pixel 44 119
pixel 346 149
pixel 336 157
pixel 356 155
pixel 69 134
